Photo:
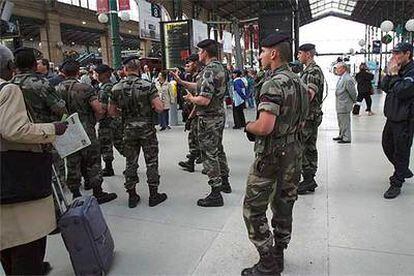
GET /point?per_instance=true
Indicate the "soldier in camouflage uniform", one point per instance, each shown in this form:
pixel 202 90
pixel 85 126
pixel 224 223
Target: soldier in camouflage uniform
pixel 110 129
pixel 210 88
pixel 43 102
pixel 192 67
pixel 275 173
pixel 81 98
pixel 313 77
pixel 136 98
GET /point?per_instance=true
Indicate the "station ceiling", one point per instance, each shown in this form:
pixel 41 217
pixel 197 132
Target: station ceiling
pixel 371 12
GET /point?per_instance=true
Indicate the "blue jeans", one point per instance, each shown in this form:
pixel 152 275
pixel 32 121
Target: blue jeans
pixel 164 118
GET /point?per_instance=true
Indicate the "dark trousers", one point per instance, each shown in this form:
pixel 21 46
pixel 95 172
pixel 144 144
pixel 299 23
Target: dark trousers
pixel 164 118
pixel 367 98
pixel 238 116
pixel 397 138
pixel 25 259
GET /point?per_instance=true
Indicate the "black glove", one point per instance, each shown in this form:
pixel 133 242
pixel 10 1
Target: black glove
pixel 251 137
pixel 60 127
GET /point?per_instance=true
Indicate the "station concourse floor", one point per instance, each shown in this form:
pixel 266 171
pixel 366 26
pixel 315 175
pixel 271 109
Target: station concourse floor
pixel 345 228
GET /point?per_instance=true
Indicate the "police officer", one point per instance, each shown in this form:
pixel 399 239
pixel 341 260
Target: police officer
pixel 210 88
pixel 397 136
pixel 137 98
pixel 275 173
pixel 44 104
pixel 110 129
pixel 81 98
pixel 313 77
pixel 192 67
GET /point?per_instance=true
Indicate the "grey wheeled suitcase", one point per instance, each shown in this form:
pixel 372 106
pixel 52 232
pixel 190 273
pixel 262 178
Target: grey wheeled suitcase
pixel 87 237
pixel 85 234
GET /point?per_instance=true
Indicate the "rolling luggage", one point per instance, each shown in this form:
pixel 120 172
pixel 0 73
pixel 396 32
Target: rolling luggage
pixel 86 236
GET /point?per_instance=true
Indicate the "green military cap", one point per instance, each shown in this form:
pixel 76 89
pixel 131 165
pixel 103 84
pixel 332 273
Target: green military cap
pixel 274 39
pixel 206 43
pixel 70 65
pixel 307 47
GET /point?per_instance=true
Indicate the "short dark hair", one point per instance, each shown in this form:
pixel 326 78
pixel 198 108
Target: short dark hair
pixel 25 59
pixel 284 50
pixel 212 50
pixel 45 62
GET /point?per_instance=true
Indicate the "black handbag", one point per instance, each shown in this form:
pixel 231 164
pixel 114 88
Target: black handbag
pixel 25 176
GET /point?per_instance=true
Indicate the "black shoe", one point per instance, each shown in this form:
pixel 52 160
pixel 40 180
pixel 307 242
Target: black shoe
pixel 133 198
pixel 392 192
pixel 307 185
pixel 163 128
pixel 344 142
pixel 408 174
pixel 267 265
pixel 225 185
pixel 155 197
pixel 75 193
pixel 214 199
pixel 108 172
pixel 337 138
pixel 204 171
pixel 199 160
pixel 187 165
pixel 104 197
pixel 46 268
pixel 87 185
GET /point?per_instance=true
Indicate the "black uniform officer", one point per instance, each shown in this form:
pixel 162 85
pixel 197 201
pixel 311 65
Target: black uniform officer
pixel 397 136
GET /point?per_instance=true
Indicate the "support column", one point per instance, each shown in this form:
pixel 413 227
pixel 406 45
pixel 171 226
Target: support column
pixel 238 56
pixel 145 46
pixel 51 39
pixel 106 50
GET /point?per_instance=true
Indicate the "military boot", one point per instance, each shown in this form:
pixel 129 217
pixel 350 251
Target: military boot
pixel 133 198
pixel 225 185
pixel 204 171
pixel 108 170
pixel 199 160
pixel 307 185
pixel 75 193
pixel 279 256
pixel 155 197
pixel 103 197
pixel 187 165
pixel 87 184
pixel 267 265
pixel 214 199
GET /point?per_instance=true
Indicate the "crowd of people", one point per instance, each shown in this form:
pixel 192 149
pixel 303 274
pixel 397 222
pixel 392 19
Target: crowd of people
pixel 34 103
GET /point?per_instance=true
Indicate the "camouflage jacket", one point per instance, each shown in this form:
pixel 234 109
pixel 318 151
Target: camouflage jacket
pixel 43 102
pixel 212 84
pixel 78 97
pixel 285 96
pixel 134 96
pixel 105 90
pixel 313 77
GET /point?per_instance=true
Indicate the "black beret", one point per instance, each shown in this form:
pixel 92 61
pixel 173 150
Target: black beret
pixel 206 43
pixel 24 50
pixel 192 58
pixel 274 39
pixel 128 59
pixel 102 68
pixel 306 47
pixel 403 47
pixel 70 65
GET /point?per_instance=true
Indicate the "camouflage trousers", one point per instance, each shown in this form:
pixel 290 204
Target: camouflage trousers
pixel 273 179
pixel 136 138
pixel 110 136
pixel 193 145
pixel 90 157
pixel 210 139
pixel 310 152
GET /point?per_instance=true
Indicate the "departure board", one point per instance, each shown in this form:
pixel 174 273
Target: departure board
pixel 176 43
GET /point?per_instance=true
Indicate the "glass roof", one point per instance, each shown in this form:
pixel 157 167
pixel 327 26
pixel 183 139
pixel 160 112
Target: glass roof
pixel 321 7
